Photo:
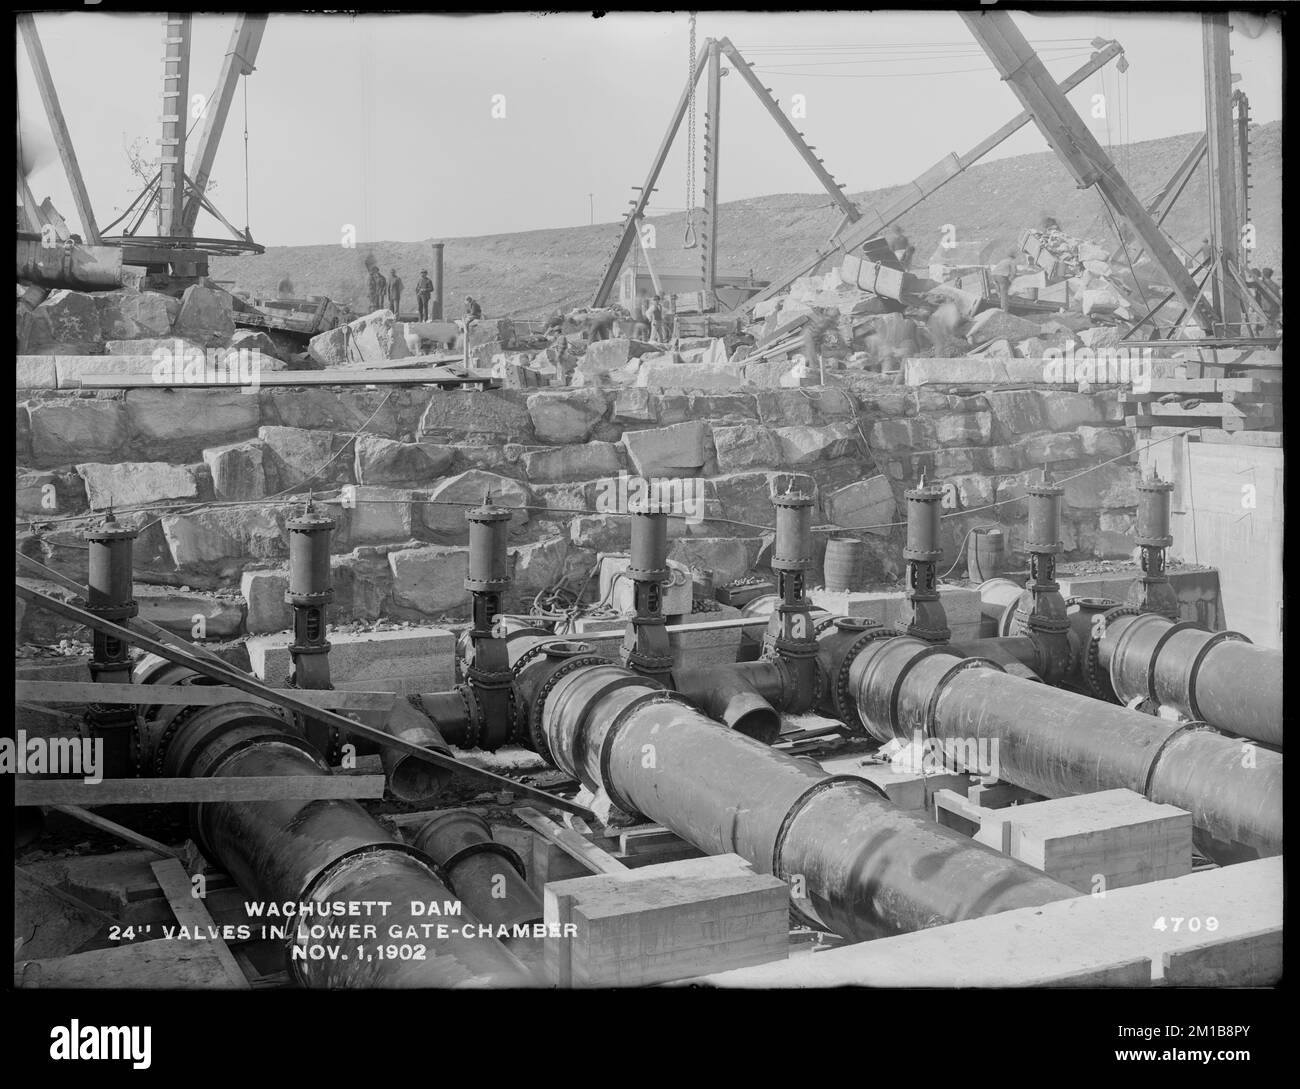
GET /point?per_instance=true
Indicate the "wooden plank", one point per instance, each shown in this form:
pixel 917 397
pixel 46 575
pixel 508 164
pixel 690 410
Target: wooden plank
pixel 571 842
pixel 113 828
pixel 253 788
pixel 150 965
pixel 190 695
pixel 191 913
pixel 1250 960
pixel 1044 945
pixel 291 379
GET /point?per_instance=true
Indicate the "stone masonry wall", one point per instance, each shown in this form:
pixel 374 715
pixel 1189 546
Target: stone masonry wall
pixel 227 465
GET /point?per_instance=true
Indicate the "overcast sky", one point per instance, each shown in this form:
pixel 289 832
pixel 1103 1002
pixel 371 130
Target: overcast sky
pixel 385 122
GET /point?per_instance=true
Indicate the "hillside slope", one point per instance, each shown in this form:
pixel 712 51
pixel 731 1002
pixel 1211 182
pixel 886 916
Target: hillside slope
pixel 528 273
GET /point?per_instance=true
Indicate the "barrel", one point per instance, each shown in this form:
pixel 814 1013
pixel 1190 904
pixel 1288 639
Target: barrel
pixel 846 561
pixel 984 554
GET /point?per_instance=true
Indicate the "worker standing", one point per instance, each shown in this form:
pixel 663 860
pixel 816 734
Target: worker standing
pixel 286 287
pixel 655 316
pixel 903 249
pixel 423 293
pixel 1003 272
pixel 377 288
pixel 395 294
pixel 473 312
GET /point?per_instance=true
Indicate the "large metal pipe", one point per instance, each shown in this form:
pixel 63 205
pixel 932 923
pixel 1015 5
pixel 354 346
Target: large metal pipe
pixel 436 303
pixel 1057 743
pixel 330 853
pixel 110 594
pixel 488 876
pixel 1216 677
pixel 857 864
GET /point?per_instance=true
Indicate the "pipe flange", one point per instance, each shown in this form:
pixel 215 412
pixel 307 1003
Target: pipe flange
pixel 1099 686
pixel 1186 727
pixel 1195 665
pixel 844 702
pixel 932 701
pixel 821 625
pixel 487 847
pixel 536 734
pixel 778 845
pixel 525 658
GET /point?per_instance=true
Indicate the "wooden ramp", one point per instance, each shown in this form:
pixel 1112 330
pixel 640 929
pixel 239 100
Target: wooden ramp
pixel 1157 934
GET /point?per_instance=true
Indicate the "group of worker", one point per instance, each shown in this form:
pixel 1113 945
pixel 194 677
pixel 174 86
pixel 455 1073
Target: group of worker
pixel 387 291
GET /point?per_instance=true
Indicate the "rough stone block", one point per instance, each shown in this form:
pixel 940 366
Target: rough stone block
pixel 192 416
pixel 802 446
pixel 383 461
pixel 37 372
pixel 444 512
pixel 204 316
pixel 408 661
pixel 1018 412
pixel 131 315
pixel 370 514
pixel 966 429
pixel 225 533
pixel 1050 448
pixel 747 498
pixel 136 483
pixel 374 338
pixel 1065 411
pixel 912 433
pixel 745 446
pixel 429 580
pixel 677 450
pixel 566 415
pixel 69 429
pixel 264 593
pixel 66 323
pixel 1105 442
pixel 192 616
pixel 485 416
pixel 1107 486
pixel 294 456
pixel 633 406
pixel 995 324
pixel 580 462
pixel 864 504
pixel 539 566
pixel 236 470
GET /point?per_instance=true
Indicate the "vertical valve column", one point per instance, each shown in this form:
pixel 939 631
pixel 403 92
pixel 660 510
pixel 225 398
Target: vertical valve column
pixel 490 687
pixel 1152 593
pixel 921 614
pixel 645 639
pixel 109 595
pixel 310 594
pixel 790 637
pixel 1041 611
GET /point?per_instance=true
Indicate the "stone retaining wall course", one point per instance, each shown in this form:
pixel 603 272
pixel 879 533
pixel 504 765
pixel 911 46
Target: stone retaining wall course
pixel 856 444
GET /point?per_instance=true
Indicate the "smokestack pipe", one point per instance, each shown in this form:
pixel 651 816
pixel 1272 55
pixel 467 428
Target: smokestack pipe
pixel 435 304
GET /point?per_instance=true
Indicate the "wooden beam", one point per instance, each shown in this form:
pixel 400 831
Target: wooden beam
pixel 192 915
pixel 289 379
pixel 252 788
pixel 115 829
pixel 185 695
pixel 835 191
pixel 949 167
pixel 245 40
pixel 1065 132
pixel 712 144
pixel 1225 226
pixel 615 265
pixel 59 128
pixel 176 115
pixel 571 843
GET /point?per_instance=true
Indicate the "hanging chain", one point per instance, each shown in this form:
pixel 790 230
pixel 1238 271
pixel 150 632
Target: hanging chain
pixel 690 138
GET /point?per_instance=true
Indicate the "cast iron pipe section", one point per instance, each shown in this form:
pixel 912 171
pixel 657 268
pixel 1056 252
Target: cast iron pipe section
pixel 488 876
pixel 1152 593
pixel 1057 743
pixel 328 852
pixel 110 594
pixel 858 865
pixel 921 613
pixel 1216 677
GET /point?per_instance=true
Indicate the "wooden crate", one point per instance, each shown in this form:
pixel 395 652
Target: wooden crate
pixel 665 922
